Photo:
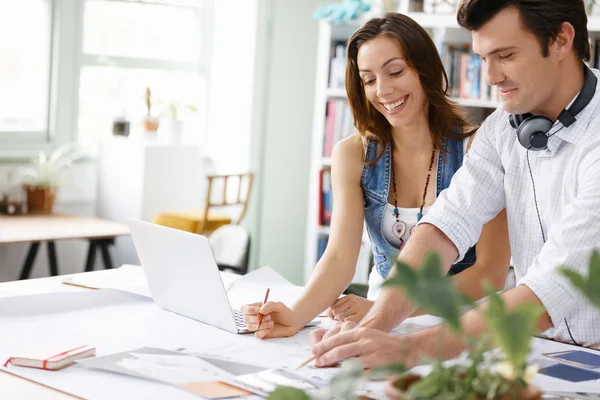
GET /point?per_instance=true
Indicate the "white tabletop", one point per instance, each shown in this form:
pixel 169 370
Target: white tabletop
pixel 14 387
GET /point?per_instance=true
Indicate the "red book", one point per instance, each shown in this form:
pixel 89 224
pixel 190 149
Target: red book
pixel 55 361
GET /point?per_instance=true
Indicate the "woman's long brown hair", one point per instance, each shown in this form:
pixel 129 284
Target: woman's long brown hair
pixel 421 55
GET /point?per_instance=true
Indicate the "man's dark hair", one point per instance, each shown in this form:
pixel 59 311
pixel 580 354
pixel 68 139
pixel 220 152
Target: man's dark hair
pixel 543 18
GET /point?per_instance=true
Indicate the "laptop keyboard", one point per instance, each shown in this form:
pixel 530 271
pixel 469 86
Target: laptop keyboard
pixel 238 316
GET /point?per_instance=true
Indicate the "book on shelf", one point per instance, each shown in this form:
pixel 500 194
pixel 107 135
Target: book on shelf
pixel 594 61
pixel 321 246
pixel 337 64
pixel 339 124
pixel 466 75
pixel 325 197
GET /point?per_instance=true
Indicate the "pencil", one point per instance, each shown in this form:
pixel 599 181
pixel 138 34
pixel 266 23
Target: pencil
pixel 79 285
pixel 361 325
pixel 306 362
pixel 260 316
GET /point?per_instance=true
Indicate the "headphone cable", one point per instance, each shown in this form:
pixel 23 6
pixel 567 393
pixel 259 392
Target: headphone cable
pixel 541 226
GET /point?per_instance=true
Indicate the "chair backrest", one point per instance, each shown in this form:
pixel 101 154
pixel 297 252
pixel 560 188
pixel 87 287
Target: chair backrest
pixel 231 247
pixel 227 191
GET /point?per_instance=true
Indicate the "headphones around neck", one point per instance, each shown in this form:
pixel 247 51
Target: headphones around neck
pixel 532 130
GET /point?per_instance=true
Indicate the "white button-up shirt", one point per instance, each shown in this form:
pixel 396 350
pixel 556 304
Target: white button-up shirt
pixel 495 175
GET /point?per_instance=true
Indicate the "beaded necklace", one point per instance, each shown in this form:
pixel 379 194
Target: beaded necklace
pixel 399 227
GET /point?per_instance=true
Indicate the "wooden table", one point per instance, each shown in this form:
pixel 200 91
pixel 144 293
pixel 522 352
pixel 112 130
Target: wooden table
pixel 36 229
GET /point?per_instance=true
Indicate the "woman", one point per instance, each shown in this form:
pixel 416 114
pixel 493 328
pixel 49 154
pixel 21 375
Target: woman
pixel 411 140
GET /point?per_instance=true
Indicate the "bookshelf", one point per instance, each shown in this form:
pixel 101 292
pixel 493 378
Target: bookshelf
pixel 444 30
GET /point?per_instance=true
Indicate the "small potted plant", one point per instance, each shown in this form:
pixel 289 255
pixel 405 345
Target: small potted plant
pixel 151 122
pixel 40 178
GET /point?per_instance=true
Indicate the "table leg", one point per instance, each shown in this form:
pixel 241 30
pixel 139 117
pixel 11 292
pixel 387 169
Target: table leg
pixel 26 270
pixel 91 257
pixel 52 258
pixel 104 243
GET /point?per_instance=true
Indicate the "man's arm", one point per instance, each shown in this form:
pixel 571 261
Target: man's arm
pixel 441 342
pixel 374 348
pixel 392 306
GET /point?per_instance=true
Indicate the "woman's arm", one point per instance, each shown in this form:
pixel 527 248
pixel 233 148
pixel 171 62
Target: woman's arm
pixel 335 270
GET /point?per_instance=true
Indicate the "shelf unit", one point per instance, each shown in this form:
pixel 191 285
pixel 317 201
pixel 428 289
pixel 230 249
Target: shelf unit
pixel 442 28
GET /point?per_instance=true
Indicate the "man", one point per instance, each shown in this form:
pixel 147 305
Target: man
pixel 532 51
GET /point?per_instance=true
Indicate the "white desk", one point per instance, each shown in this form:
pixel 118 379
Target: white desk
pixel 16 387
pixel 12 386
pixel 128 322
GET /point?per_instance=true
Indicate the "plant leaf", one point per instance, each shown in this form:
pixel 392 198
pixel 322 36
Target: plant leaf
pixel 288 393
pixel 429 289
pixel 387 370
pixel 590 285
pixel 61 152
pixel 512 330
pixel 345 384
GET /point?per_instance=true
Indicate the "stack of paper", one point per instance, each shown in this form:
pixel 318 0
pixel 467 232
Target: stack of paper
pixel 251 288
pixel 129 278
pixel 182 370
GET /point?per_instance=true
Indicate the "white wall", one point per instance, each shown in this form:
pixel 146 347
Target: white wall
pixel 231 84
pixel 284 96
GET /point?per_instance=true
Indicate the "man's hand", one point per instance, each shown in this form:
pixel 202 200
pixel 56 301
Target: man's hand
pixel 349 308
pixel 278 320
pixel 373 348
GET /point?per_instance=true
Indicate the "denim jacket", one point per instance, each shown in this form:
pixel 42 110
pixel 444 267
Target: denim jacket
pixel 375 183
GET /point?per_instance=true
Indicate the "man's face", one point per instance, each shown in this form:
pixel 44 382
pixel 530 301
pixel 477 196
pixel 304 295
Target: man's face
pixel 513 58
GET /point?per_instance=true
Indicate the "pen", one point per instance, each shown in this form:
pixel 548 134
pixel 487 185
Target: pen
pixel 362 324
pixel 260 316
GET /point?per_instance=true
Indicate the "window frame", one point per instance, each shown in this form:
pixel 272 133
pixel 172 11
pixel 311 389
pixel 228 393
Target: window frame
pixel 66 61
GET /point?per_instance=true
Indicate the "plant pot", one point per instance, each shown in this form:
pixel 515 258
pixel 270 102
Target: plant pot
pixel 396 390
pixel 151 124
pixel 171 130
pixel 40 199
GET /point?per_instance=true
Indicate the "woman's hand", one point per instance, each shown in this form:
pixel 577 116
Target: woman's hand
pixel 278 320
pixel 349 308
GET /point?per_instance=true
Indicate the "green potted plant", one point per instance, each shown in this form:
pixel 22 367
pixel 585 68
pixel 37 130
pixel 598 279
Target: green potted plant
pixel 479 374
pixel 40 179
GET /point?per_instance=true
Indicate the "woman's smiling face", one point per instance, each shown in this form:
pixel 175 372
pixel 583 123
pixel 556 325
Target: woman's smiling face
pixel 390 85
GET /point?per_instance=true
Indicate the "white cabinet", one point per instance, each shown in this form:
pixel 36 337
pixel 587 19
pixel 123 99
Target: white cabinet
pixel 137 180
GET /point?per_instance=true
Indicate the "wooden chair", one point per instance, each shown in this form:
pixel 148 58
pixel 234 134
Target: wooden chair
pixel 223 192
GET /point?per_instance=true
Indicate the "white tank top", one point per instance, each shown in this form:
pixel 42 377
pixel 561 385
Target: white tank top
pixel 406 215
pixel 409 217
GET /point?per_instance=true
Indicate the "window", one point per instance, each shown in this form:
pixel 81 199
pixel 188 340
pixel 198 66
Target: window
pixel 130 46
pixel 70 67
pixel 25 27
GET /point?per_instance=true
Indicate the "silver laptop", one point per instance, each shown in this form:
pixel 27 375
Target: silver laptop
pixel 183 275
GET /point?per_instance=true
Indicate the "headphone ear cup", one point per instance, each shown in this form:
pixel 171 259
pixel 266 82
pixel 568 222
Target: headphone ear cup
pixel 532 132
pixel 514 120
pixel 517 119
